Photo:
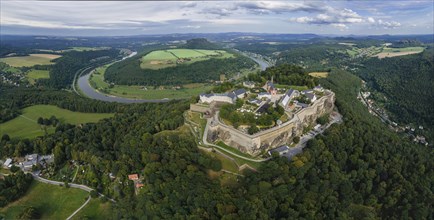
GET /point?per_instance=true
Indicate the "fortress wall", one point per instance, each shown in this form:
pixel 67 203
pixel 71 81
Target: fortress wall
pixel 198 108
pixel 273 137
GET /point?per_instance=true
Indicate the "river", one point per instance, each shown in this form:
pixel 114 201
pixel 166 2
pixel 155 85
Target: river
pixel 86 88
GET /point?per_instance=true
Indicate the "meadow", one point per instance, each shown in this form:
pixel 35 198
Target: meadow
pixel 394 52
pixel 139 92
pixel 34 75
pixel 166 58
pixel 95 209
pixel 319 74
pixel 31 60
pixel 53 202
pixel 26 126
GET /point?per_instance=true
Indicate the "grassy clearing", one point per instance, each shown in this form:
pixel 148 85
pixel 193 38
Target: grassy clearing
pixel 160 59
pixel 53 202
pixel 394 52
pixel 34 75
pixel 95 209
pixel 319 74
pixel 227 164
pixel 300 88
pixel 26 126
pixel 31 60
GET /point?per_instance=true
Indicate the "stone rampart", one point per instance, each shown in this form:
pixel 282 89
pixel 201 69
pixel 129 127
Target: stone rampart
pixel 273 137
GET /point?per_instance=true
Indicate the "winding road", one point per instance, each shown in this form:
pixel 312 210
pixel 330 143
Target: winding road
pixel 72 185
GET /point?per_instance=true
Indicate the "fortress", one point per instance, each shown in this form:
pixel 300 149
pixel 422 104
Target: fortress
pixel 275 136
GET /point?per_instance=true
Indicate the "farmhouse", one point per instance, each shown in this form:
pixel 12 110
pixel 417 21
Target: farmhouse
pixel 35 159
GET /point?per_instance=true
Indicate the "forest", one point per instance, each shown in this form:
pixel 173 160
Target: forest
pixel 407 82
pixel 128 72
pixel 62 73
pixel 13 186
pixel 357 170
pixel 287 74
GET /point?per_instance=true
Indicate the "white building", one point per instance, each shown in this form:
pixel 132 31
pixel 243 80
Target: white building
pixel 265 95
pixel 289 95
pixel 249 84
pixel 318 88
pixel 215 97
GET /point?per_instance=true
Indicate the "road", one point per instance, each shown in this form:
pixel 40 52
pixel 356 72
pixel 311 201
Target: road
pixel 205 141
pixel 336 118
pixel 72 185
pixel 82 206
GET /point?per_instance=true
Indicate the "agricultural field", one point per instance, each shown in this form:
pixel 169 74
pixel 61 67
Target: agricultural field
pixel 53 202
pixel 149 92
pixel 160 59
pixel 26 126
pixel 95 209
pixel 34 75
pixel 31 60
pixel 394 52
pixel 319 74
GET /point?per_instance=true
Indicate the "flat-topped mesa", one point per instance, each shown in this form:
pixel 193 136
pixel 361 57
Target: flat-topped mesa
pixel 303 116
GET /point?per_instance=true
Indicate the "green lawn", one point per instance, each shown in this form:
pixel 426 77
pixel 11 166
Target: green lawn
pixel 31 60
pixel 227 164
pixel 95 210
pixel 33 75
pixel 299 88
pixel 26 126
pixel 53 202
pixel 405 49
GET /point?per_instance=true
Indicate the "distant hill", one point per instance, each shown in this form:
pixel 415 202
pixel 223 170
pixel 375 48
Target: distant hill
pixel 200 43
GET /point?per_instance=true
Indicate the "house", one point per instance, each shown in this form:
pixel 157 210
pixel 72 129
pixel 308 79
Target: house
pixel 263 95
pixel 215 97
pixel 133 177
pixel 281 150
pixel 318 88
pixel 269 86
pixel 304 92
pixel 317 127
pixel 263 108
pixel 7 163
pixel 249 84
pixel 311 97
pixel 139 185
pixel 240 93
pixel 289 95
pixel 254 101
pixel 302 105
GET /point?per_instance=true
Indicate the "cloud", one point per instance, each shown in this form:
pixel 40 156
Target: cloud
pixel 279 7
pixel 388 25
pixel 342 18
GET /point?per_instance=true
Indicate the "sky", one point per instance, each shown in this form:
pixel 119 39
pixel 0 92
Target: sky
pixel 121 18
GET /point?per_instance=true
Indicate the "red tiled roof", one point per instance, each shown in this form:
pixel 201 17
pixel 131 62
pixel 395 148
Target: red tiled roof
pixel 133 177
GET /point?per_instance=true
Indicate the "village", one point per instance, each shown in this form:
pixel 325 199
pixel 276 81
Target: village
pixel 410 130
